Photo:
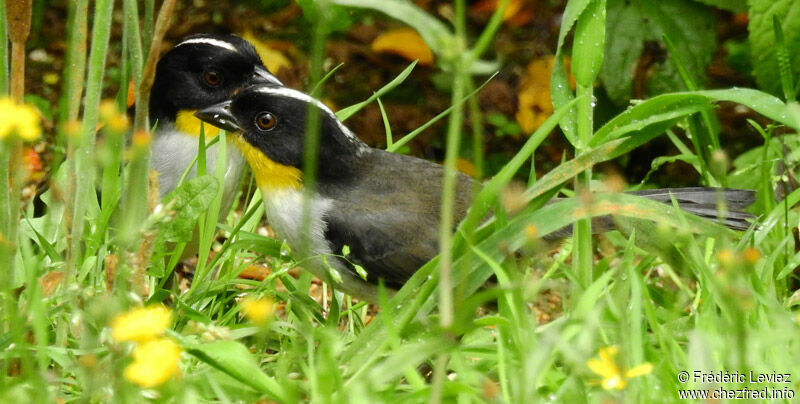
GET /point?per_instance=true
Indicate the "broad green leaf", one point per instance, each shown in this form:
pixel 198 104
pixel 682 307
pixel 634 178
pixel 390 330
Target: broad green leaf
pixel 759 101
pixel 235 360
pixel 762 40
pixel 247 241
pixel 336 18
pixel 633 23
pixel 191 200
pixel 560 92
pixel 649 118
pixel 587 51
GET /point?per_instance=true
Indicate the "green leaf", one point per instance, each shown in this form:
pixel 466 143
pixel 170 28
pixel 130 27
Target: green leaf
pixel 762 40
pixel 235 360
pixel 651 117
pixel 560 92
pixel 345 113
pixel 336 18
pixel 636 22
pixel 191 200
pixel 587 51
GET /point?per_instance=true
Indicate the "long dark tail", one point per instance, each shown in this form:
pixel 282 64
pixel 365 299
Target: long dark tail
pixel 703 202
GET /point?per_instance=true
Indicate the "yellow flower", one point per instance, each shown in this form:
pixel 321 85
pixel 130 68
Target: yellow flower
pixel 258 310
pixel 727 258
pixel 613 377
pixel 112 118
pixel 19 119
pixel 154 363
pixel 141 324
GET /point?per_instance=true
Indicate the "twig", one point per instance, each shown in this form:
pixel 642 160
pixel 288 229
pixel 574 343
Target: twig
pixel 141 120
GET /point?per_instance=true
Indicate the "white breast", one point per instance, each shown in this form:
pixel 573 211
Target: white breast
pixel 284 210
pixel 173 151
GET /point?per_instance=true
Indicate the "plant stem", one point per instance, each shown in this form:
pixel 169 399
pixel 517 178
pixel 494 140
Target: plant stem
pixel 73 75
pixel 582 255
pixel 3 49
pixel 84 171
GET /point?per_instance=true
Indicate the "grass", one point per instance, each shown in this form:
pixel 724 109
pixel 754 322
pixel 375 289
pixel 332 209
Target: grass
pixel 683 294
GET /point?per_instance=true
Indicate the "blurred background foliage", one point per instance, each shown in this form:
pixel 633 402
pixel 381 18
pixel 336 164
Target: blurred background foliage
pixel 720 43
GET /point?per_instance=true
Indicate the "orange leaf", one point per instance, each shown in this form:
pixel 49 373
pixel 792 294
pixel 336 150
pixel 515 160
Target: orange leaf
pixel 50 281
pixel 273 59
pixel 465 166
pixel 533 93
pixel 514 14
pixel 404 42
pixel 255 272
pixel 31 160
pixel 131 94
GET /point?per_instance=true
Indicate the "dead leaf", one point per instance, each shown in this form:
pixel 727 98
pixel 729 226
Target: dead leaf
pixel 131 99
pixel 514 15
pixel 255 272
pixel 404 42
pixel 273 59
pixel 33 164
pixel 533 93
pixel 465 166
pixel 111 261
pixel 49 282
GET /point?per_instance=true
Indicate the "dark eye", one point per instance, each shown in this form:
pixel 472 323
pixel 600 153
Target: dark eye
pixel 265 121
pixel 212 78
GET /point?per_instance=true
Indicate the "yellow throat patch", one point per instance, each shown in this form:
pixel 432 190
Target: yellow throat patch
pixel 269 175
pixel 187 123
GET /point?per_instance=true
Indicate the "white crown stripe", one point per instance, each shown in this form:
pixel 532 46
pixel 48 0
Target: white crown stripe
pixel 209 41
pixel 290 93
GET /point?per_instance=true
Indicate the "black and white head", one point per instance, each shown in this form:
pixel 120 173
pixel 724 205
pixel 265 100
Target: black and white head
pixel 273 120
pixel 203 70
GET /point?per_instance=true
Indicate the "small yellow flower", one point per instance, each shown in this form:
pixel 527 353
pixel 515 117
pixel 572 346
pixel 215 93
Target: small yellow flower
pixel 727 258
pixel 751 255
pixel 112 118
pixel 141 139
pixel 141 324
pixel 154 363
pixel 258 310
pixel 613 377
pixel 531 232
pixel 18 119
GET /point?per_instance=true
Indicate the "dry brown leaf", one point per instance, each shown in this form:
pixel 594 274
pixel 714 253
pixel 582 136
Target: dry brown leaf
pixel 404 42
pixel 273 59
pixel 255 272
pixel 465 166
pixel 533 93
pixel 49 282
pixel 514 15
pixel 111 261
pixel 131 99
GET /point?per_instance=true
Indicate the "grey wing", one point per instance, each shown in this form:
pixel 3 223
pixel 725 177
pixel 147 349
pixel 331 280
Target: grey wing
pixel 391 223
pixel 385 243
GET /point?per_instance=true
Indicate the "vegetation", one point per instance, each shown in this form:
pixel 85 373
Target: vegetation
pixel 91 310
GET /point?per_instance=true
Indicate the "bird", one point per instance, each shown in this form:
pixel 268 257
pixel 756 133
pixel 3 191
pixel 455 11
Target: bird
pixel 201 70
pixel 385 207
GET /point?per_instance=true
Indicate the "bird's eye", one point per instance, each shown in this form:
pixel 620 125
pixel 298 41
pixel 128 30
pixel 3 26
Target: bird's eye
pixel 212 78
pixel 266 121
